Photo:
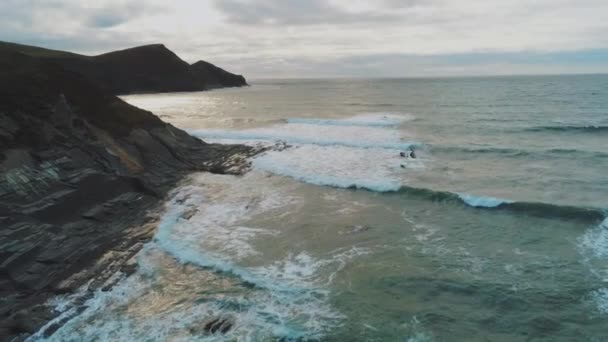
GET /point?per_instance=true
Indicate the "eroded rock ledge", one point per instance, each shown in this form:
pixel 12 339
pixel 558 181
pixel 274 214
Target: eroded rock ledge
pixel 82 175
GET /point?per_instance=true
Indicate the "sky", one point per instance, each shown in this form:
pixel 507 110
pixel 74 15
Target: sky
pixel 331 38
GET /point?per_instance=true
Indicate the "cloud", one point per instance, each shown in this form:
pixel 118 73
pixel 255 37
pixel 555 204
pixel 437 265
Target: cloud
pixel 103 14
pixel 330 37
pixel 296 12
pixel 71 24
pixel 113 14
pixel 406 65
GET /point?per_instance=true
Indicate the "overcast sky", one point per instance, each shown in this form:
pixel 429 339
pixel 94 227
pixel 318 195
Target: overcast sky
pixel 335 38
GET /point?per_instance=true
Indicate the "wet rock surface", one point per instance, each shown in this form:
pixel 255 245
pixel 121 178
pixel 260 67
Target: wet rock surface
pixel 218 325
pixel 82 176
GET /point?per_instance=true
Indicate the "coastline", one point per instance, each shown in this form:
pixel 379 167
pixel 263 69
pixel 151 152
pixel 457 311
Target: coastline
pixel 133 227
pixel 98 243
pixel 83 178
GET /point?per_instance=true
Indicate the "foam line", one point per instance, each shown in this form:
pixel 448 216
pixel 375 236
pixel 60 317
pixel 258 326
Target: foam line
pixel 320 140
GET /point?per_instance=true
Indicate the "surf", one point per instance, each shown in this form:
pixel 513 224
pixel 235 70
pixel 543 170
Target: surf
pixel 571 129
pixel 365 120
pixel 378 130
pixel 202 227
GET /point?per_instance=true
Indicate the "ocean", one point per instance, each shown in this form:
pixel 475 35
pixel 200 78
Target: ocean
pixel 495 231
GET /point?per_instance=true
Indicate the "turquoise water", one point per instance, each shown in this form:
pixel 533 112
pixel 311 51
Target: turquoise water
pixel 496 231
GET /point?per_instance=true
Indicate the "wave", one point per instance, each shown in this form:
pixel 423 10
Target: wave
pixel 289 301
pixel 377 128
pixel 334 181
pixel 372 120
pixel 594 242
pixel 513 152
pixel 379 105
pixel 538 209
pixel 594 154
pixel 304 140
pixel 286 299
pixel 483 201
pixel 482 150
pixel 573 129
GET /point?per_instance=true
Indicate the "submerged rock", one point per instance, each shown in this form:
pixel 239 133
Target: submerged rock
pixel 218 325
pixel 357 229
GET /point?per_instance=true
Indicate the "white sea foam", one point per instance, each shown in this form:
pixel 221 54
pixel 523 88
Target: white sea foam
pixel 259 315
pixel 417 332
pixel 600 297
pixel 356 152
pixel 209 215
pixel 595 241
pixel 74 329
pixel 343 167
pixel 593 246
pixel 306 134
pixel 285 298
pixel 482 202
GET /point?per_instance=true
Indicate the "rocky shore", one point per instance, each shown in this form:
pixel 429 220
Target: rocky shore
pixel 83 174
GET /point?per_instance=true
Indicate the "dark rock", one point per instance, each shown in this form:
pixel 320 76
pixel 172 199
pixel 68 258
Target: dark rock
pixel 218 325
pixel 216 77
pixel 144 69
pixel 81 170
pixel 128 269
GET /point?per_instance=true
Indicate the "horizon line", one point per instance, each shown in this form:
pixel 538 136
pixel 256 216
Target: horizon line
pixel 427 77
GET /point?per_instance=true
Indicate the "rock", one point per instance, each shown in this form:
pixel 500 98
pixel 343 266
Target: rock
pixel 218 325
pixel 144 69
pixel 96 213
pixel 26 320
pixel 129 268
pixel 80 171
pixel 358 229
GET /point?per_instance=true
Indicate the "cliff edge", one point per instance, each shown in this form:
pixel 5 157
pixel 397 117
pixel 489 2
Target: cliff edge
pixel 144 69
pixel 82 174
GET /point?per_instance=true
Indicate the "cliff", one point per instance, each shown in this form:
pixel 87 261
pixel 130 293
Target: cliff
pixel 82 174
pixel 144 69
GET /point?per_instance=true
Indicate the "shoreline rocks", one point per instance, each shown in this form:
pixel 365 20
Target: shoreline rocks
pixel 82 176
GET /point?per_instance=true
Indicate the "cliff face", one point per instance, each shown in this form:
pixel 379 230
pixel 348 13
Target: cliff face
pixel 144 69
pixel 216 77
pixel 80 171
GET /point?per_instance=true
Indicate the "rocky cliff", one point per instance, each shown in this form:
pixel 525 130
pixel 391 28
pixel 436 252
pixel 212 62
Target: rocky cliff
pixel 144 69
pixel 81 176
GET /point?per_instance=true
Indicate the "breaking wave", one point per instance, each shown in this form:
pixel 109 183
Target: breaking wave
pixel 530 208
pixel 284 299
pixel 369 120
pixel 517 153
pixel 286 136
pixel 573 129
pixel 388 185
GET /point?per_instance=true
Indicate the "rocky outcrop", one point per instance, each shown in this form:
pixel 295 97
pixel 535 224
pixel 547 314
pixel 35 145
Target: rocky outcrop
pixel 144 69
pixel 81 174
pixel 216 77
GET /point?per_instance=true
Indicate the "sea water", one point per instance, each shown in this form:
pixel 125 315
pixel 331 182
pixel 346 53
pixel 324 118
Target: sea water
pixel 496 231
